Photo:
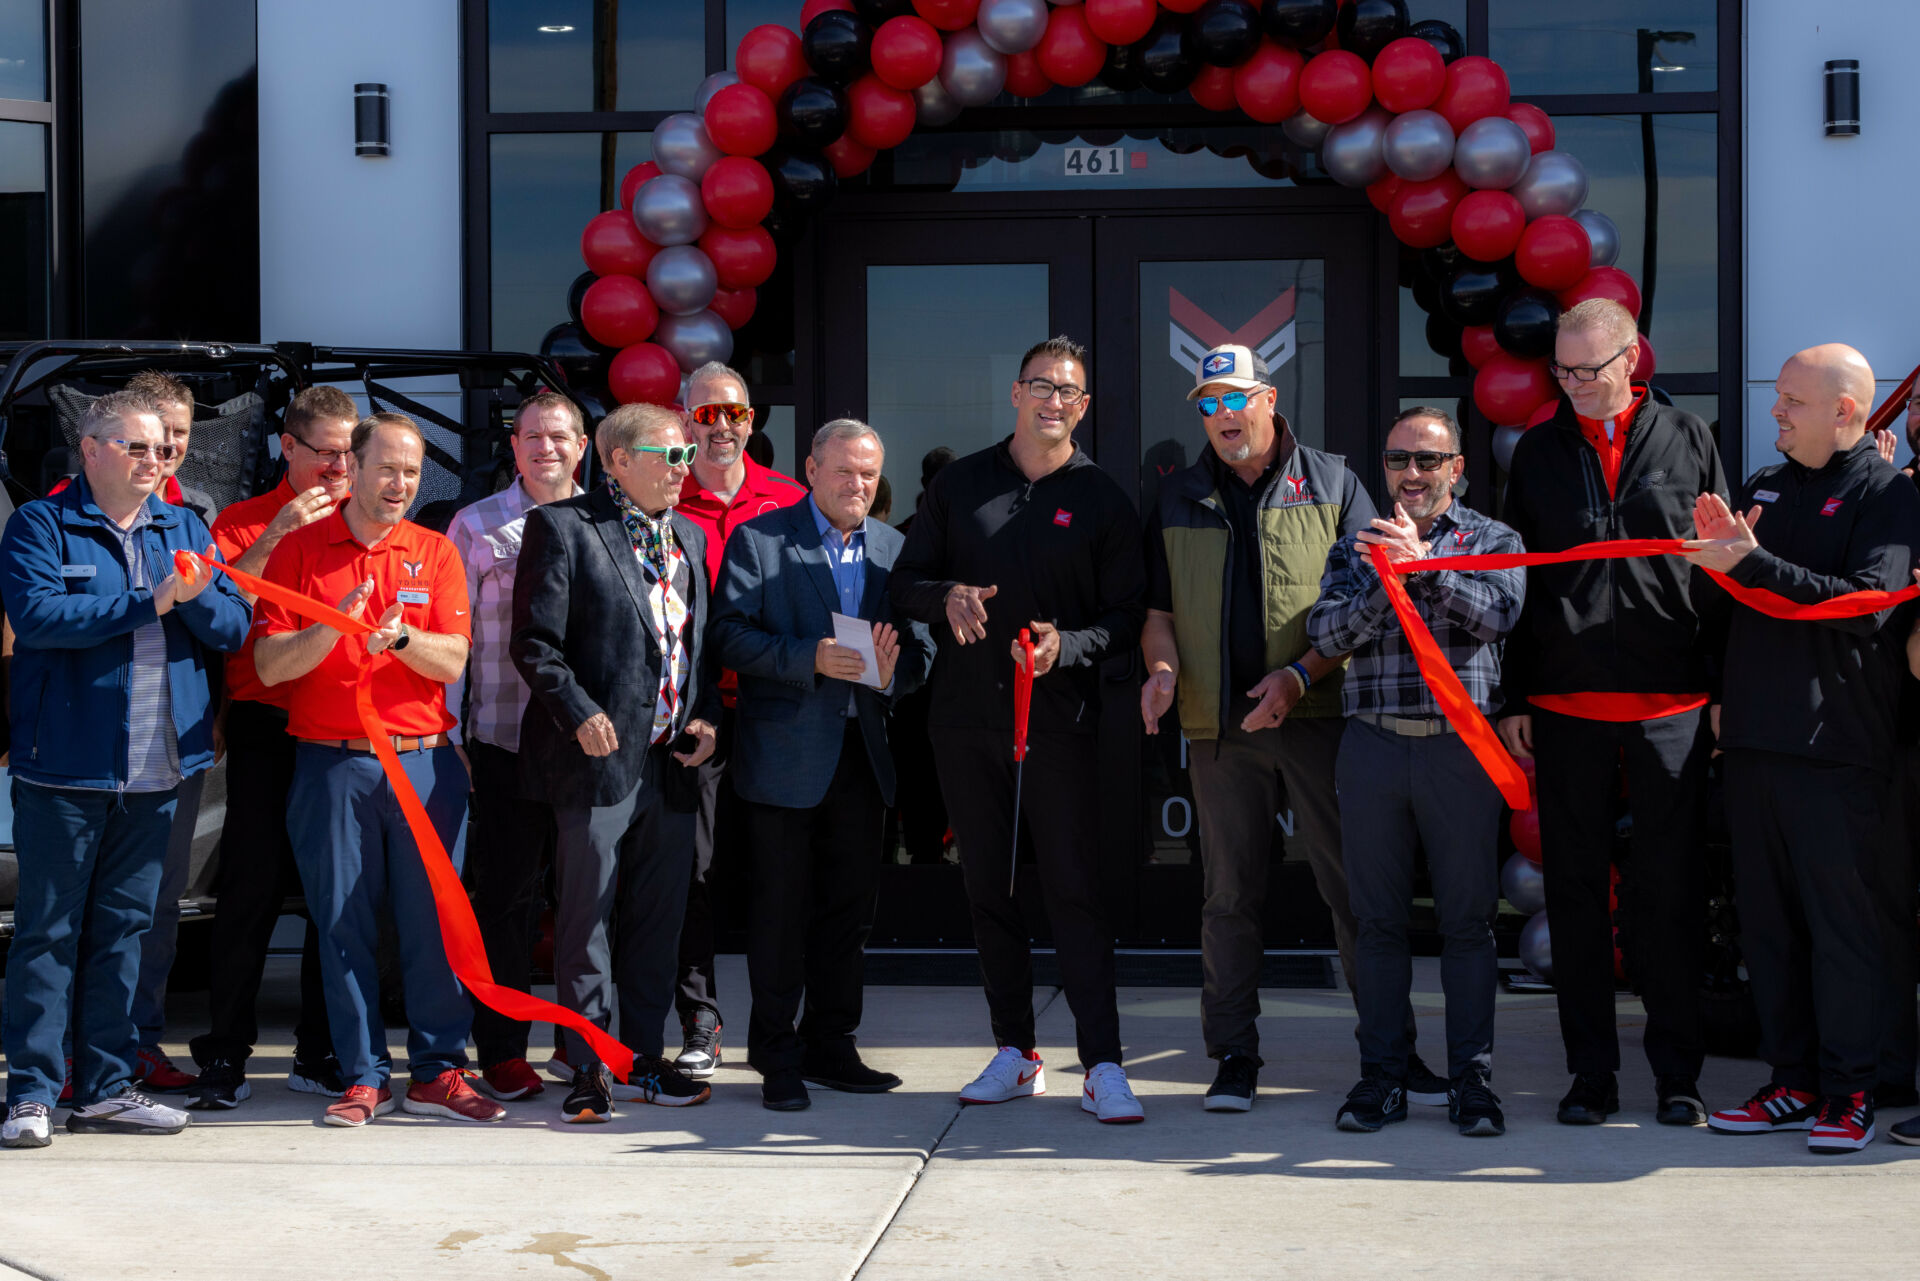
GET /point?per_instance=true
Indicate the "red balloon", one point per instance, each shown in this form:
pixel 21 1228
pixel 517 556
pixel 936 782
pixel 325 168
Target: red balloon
pixel 1643 361
pixel 618 311
pixel 1554 253
pixel 1119 21
pixel 1508 389
pixel 635 176
pixel 1544 414
pixel 1524 827
pixel 644 374
pixel 613 246
pixel 1024 77
pixel 1408 75
pixel 848 156
pixel 1069 52
pixel 1267 85
pixel 1477 344
pixel 741 121
pixel 1422 212
pixel 1382 193
pixel 878 115
pixel 742 257
pixel 906 52
pixel 814 8
pixel 948 15
pixel 737 191
pixel 735 306
pixel 1336 86
pixel 1604 282
pixel 1535 123
pixel 1488 224
pixel 1181 6
pixel 769 59
pixel 1212 88
pixel 1475 87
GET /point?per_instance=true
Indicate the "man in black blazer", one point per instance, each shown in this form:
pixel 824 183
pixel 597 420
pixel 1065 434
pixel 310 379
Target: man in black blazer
pixel 810 757
pixel 609 610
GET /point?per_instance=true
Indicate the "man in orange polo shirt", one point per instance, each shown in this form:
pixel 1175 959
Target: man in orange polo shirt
pixel 353 846
pixel 257 872
pixel 1611 660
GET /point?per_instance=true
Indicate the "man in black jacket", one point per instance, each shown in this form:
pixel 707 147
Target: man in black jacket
pixel 1610 660
pixel 1808 729
pixel 1030 533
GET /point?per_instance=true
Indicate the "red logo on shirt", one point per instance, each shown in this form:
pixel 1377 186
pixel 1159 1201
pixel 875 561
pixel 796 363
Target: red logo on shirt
pixel 1062 517
pixel 1297 489
pixel 1460 537
pixel 1829 507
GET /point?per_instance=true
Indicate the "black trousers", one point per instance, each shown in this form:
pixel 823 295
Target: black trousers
pixel 256 876
pixel 1898 869
pixel 1805 878
pixel 1061 810
pixel 716 830
pixel 815 874
pixel 923 811
pixel 509 849
pixel 1576 764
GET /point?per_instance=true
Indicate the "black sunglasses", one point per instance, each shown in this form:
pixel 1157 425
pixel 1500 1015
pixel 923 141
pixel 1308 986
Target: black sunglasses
pixel 1424 459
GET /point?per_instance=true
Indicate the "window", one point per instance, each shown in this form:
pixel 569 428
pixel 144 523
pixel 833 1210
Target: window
pixel 594 55
pixel 1606 46
pixel 23 230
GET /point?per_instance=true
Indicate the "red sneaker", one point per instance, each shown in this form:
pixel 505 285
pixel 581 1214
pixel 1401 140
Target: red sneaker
pixel 511 1079
pixel 1774 1108
pixel 1845 1124
pixel 450 1096
pixel 359 1105
pixel 155 1072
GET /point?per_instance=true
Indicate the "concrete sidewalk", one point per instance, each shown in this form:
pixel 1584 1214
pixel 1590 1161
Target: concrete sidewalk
pixel 909 1185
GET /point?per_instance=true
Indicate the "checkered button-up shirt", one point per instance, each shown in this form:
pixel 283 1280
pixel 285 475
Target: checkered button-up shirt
pixel 1469 613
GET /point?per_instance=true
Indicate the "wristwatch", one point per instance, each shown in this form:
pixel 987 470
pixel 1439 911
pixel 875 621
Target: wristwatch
pixel 401 644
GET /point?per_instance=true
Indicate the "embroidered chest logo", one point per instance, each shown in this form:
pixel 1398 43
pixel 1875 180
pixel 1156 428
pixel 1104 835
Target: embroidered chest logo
pixel 414 568
pixel 1062 517
pixel 1460 537
pixel 1297 491
pixel 1829 507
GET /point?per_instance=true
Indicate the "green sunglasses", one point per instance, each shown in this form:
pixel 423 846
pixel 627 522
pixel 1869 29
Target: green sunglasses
pixel 676 454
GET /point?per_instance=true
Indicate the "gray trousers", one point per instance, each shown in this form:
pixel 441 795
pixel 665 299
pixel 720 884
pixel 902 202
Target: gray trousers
pixel 620 878
pixel 1396 795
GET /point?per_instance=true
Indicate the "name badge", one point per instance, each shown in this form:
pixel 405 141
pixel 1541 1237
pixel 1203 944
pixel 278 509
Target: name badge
pixel 79 571
pixel 411 598
pixel 1766 496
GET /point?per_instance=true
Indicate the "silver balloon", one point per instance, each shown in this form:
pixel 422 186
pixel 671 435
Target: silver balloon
pixel 1504 439
pixel 681 145
pixel 1418 145
pixel 935 105
pixel 1536 945
pixel 971 69
pixel 1304 130
pixel 668 211
pixel 1522 885
pixel 1604 235
pixel 682 280
pixel 1555 183
pixel 711 85
pixel 1351 153
pixel 1012 26
pixel 695 340
pixel 1492 153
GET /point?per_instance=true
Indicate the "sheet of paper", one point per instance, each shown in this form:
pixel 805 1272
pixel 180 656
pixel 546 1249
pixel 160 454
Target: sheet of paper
pixel 856 634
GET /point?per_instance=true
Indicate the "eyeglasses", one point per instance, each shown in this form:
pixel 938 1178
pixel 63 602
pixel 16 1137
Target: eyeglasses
pixel 138 450
pixel 736 415
pixel 1235 400
pixel 327 457
pixel 1424 460
pixel 1587 373
pixel 1043 389
pixel 676 454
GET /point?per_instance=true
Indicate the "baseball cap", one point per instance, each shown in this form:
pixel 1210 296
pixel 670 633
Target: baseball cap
pixel 1233 365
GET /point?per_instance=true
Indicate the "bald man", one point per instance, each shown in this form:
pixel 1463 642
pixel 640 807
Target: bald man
pixel 1808 728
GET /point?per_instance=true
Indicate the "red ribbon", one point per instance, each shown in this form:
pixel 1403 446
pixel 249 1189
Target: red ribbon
pixel 1022 695
pixel 459 931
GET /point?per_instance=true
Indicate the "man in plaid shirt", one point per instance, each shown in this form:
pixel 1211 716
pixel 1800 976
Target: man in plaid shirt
pixel 1407 780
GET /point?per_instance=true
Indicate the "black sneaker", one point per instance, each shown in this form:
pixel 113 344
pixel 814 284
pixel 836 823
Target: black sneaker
pixel 1895 1094
pixel 1235 1084
pixel 1908 1131
pixel 700 1053
pixel 849 1075
pixel 1593 1097
pixel 591 1098
pixel 1426 1086
pixel 1374 1103
pixel 222 1084
pixel 1679 1101
pixel 1474 1108
pixel 321 1077
pixel 659 1082
pixel 784 1091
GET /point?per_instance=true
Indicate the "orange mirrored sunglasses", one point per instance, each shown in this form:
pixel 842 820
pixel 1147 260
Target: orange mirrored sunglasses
pixel 708 415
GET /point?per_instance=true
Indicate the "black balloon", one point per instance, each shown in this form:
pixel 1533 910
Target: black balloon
pixel 582 361
pixel 1225 32
pixel 1472 296
pixel 1426 292
pixel 1526 322
pixel 1299 24
pixel 779 224
pixel 578 290
pixel 1183 142
pixel 1276 168
pixel 1443 336
pixel 812 112
pixel 803 181
pixel 1167 61
pixel 1443 36
pixel 593 402
pixel 838 46
pixel 878 11
pixel 1440 263
pixel 1101 137
pixel 1122 71
pixel 1368 26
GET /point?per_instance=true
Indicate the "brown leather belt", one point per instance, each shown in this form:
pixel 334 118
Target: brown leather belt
pixel 400 744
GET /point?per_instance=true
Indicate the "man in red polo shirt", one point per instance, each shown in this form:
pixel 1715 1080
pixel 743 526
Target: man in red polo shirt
pixel 1611 662
pixel 354 849
pixel 257 873
pixel 725 489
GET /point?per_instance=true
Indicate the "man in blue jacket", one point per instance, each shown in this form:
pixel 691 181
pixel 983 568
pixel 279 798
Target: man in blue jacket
pixel 111 711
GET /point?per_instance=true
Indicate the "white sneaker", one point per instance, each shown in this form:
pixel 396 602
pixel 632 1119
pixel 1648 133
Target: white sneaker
pixel 128 1112
pixel 28 1125
pixel 1011 1075
pixel 1107 1095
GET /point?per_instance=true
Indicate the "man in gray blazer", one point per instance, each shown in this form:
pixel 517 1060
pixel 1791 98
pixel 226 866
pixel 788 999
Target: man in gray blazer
pixel 810 757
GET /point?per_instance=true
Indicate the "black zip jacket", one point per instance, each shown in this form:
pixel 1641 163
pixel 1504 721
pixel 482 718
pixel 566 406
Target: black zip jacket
pixel 1650 625
pixel 1064 549
pixel 1825 690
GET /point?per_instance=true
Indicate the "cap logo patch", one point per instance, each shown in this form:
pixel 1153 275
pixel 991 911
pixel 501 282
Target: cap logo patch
pixel 1221 362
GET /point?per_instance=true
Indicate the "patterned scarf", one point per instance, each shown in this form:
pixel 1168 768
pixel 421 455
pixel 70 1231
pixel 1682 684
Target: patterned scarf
pixel 652 536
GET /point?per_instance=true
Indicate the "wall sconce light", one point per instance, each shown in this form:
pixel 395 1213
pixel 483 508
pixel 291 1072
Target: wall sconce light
pixel 370 124
pixel 1843 97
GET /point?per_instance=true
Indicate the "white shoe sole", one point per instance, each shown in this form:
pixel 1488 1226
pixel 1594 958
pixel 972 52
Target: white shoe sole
pixel 698 1072
pixel 208 1102
pixel 28 1139
pixel 94 1125
pixel 1756 1127
pixel 1227 1103
pixel 975 1101
pixel 1092 1109
pixel 415 1108
pixel 627 1094
pixel 379 1109
pixel 1836 1144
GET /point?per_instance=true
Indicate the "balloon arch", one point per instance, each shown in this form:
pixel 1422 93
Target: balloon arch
pixel 1390 105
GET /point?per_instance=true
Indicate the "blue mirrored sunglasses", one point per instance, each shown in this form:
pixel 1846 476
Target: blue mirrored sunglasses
pixel 1234 400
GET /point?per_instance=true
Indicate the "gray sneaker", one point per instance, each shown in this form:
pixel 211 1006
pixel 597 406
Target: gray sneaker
pixel 28 1125
pixel 128 1112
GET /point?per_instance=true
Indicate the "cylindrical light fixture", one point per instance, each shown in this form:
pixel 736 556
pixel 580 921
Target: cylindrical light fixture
pixel 1843 97
pixel 370 128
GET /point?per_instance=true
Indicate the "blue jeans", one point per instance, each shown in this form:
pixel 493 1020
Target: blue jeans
pixel 89 872
pixel 160 944
pixel 357 857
